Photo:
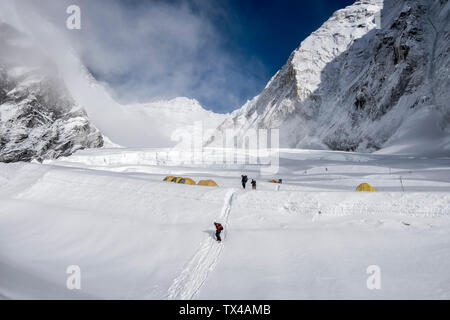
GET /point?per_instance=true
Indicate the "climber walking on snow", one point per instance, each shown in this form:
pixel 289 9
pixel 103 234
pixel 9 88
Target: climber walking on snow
pixel 244 180
pixel 253 184
pixel 219 229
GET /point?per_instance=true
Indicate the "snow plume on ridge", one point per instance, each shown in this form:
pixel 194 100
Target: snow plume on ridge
pixel 46 38
pixel 39 119
pixel 354 85
pixel 136 125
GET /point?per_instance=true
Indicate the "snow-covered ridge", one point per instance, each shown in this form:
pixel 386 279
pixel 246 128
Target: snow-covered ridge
pixel 352 86
pixel 177 105
pixel 179 112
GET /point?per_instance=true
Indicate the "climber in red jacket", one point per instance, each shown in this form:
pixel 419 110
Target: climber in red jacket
pixel 219 229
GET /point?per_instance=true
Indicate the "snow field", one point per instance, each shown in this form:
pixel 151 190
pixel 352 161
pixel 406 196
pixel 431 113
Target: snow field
pixel 136 237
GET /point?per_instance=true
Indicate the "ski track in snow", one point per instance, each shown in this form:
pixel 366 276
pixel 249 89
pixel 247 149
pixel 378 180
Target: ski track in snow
pixel 188 284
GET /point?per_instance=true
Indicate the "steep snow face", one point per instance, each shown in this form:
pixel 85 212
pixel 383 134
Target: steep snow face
pixel 38 117
pixel 353 86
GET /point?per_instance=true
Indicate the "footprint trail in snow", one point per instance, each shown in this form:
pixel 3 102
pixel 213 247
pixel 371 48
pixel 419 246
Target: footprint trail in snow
pixel 188 284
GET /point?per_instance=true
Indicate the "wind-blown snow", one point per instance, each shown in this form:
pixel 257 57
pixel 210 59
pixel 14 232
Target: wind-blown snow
pixel 137 125
pixel 38 117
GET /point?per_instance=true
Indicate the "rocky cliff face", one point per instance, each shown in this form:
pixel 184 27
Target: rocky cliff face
pixel 38 117
pixel 352 86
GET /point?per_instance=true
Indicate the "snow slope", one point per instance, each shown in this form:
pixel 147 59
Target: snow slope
pixel 134 236
pixel 351 86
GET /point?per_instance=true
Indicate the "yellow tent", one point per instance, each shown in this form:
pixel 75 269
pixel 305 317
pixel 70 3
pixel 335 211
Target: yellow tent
pixel 179 180
pixel 172 179
pixel 186 181
pixel 208 183
pixel 365 187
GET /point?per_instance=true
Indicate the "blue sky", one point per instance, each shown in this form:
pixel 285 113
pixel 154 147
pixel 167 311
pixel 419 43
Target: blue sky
pixel 271 30
pixel 220 52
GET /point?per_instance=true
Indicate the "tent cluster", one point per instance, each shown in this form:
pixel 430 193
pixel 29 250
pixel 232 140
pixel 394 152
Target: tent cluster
pixel 212 183
pixel 209 183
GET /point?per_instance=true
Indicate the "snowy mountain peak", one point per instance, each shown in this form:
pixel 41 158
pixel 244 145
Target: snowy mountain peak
pixel 180 105
pixel 327 43
pixel 353 85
